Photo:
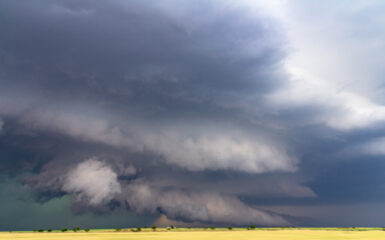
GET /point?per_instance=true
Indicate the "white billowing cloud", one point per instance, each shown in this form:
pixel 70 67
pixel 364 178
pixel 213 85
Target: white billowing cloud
pixel 92 180
pixel 342 110
pixel 336 60
pixel 198 206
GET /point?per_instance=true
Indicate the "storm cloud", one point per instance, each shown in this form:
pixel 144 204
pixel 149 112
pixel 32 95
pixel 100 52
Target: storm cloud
pixel 203 112
pixel 92 180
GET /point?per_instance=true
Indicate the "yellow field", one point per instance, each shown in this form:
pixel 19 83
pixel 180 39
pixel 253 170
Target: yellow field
pixel 304 234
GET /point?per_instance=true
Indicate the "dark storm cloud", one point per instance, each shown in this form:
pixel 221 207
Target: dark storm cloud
pixel 90 49
pixel 124 87
pixel 111 65
pixel 176 108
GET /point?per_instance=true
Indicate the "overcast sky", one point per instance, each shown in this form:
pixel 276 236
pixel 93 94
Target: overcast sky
pixel 192 113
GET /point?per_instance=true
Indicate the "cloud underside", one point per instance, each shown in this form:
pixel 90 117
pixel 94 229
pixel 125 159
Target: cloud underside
pixel 95 183
pixel 151 86
pixel 177 110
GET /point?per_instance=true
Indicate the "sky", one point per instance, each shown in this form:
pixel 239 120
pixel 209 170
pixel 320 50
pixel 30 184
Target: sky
pixel 191 113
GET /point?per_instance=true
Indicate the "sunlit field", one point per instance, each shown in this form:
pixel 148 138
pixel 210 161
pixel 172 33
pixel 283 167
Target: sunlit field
pixel 203 234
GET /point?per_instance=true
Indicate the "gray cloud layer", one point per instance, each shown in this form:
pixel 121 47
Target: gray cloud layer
pixel 194 110
pixel 149 80
pixel 198 206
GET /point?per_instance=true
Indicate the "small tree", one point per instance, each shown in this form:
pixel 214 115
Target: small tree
pixel 64 230
pixel 118 229
pixel 87 229
pixel 49 230
pixel 212 227
pixel 40 230
pixel 138 229
pixel 153 228
pixel 252 227
pixel 230 228
pixel 172 226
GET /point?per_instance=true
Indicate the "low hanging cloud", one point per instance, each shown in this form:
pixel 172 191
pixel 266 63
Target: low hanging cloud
pixel 271 186
pixel 92 181
pixel 187 102
pixel 194 111
pixel 94 184
pixel 198 207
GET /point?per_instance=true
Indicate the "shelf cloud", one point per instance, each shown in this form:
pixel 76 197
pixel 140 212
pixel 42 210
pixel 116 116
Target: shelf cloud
pixel 197 112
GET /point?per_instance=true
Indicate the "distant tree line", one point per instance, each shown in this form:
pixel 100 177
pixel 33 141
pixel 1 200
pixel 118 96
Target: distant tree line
pixel 75 229
pixel 138 229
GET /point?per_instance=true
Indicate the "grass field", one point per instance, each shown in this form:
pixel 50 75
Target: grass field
pixel 200 234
